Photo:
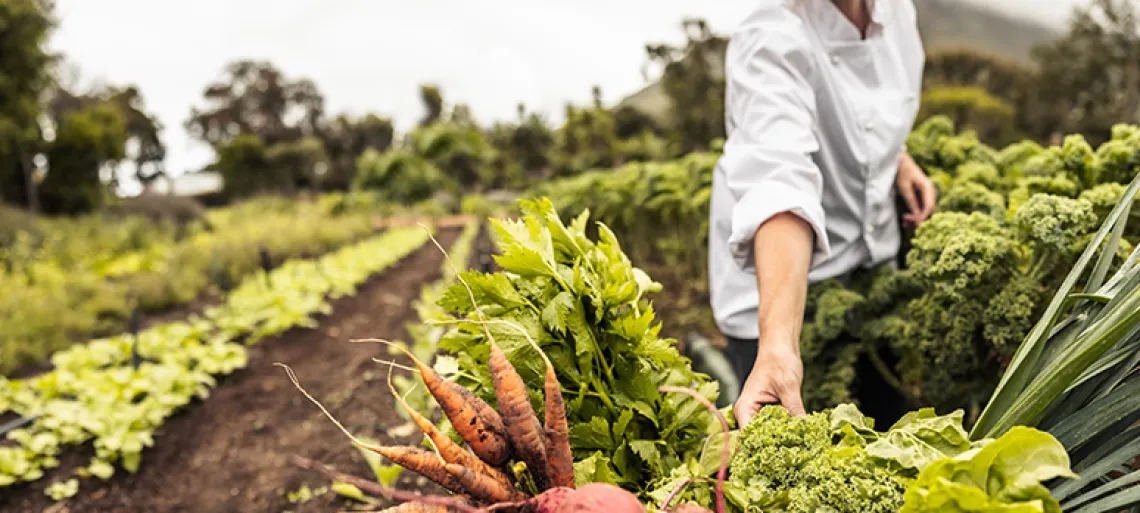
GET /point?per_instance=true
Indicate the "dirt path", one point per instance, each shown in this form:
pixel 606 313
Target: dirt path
pixel 229 453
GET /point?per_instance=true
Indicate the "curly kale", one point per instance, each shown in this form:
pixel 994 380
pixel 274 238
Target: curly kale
pixel 831 342
pixel 1028 187
pixel 832 376
pixel 1055 229
pixel 1078 158
pixel 826 343
pixel 983 173
pixel 973 197
pixel 834 310
pixel 1073 160
pixel 797 456
pixel 1122 131
pixel 934 144
pixel 961 253
pixel 1011 313
pixel 1013 158
pixel 1009 224
pixel 1103 198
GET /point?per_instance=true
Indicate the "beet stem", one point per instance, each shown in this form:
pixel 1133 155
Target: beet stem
pixel 673 494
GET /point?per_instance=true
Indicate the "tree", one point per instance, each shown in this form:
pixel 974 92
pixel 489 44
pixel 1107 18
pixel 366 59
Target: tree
pixel 461 114
pixel 693 78
pixel 25 73
pixel 587 140
pixel 401 176
pixel 245 167
pixel 461 151
pixel 433 104
pixel 630 122
pixel 145 149
pixel 85 142
pixel 255 98
pixel 346 139
pixel 301 163
pixel 1089 79
pixel 523 149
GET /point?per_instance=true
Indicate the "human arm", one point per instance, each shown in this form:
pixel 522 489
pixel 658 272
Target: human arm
pixel 783 247
pixel 777 220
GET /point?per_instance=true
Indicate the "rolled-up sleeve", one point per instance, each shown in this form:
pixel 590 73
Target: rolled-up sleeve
pixel 767 163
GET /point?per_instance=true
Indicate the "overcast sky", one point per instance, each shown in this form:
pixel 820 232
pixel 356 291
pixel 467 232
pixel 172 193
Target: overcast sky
pixel 370 55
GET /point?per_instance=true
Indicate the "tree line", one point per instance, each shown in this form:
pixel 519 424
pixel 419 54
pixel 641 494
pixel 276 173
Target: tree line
pixel 271 133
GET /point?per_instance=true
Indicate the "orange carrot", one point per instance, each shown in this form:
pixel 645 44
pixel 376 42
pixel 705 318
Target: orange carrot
pixel 415 507
pixel 482 487
pixel 422 462
pixel 479 424
pixel 450 451
pixel 559 457
pixel 523 429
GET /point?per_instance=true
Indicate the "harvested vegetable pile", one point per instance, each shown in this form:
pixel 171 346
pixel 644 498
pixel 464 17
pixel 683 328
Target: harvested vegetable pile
pixel 835 461
pixel 564 332
pixel 585 305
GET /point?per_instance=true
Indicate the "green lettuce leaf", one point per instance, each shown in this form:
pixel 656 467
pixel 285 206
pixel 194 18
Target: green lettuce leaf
pixel 1003 476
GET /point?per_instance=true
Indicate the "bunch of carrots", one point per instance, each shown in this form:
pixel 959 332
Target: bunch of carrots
pixel 479 478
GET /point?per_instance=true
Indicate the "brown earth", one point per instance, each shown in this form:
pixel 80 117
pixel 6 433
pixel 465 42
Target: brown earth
pixel 230 453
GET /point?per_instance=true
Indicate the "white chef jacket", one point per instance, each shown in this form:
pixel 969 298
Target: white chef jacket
pixel 816 119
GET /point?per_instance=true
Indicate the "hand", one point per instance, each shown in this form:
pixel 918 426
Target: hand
pixel 775 379
pixel 917 190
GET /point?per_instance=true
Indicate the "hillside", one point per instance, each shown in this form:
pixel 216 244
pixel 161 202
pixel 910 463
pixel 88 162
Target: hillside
pixel 944 24
pixel 956 24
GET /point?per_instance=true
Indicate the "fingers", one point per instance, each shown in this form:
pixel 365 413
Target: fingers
pixel 906 189
pixel 929 198
pixel 794 404
pixel 744 412
pixel 750 403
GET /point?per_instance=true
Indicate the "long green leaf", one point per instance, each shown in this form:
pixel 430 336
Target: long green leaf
pixel 1096 298
pixel 1012 382
pixel 1102 265
pixel 1113 503
pixel 1027 407
pixel 1064 334
pixel 1099 379
pixel 1101 490
pixel 1111 360
pixel 1098 415
pixel 1118 450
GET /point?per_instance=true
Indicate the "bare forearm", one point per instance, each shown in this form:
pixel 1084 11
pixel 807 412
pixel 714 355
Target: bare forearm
pixel 783 247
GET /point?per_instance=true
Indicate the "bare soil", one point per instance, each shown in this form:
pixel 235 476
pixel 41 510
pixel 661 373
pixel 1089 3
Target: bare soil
pixel 230 453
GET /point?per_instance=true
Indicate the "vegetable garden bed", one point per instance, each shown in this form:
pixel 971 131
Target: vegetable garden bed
pixel 244 402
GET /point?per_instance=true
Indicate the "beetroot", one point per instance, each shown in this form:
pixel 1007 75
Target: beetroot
pixel 548 501
pixel 598 498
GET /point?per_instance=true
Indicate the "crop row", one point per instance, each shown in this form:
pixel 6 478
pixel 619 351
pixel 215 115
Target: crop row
pixel 114 392
pixel 68 280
